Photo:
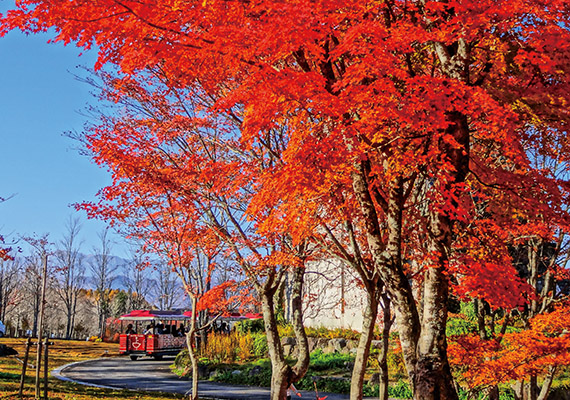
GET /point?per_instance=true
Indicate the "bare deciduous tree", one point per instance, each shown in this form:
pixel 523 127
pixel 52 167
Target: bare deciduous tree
pixel 169 294
pixel 103 274
pixel 10 282
pixel 70 273
pixel 137 283
pixel 34 272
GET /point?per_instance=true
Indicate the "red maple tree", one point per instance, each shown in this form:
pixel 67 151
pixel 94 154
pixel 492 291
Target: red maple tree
pixel 408 109
pixel 182 184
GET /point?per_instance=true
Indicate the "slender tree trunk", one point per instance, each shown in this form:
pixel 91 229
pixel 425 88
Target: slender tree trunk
pixel 282 375
pixel 191 349
pixel 387 261
pixel 532 387
pixel 72 321
pixel 383 357
pixel 102 318
pixel 279 368
pixel 480 311
pixel 2 296
pixel 547 383
pixel 303 357
pixel 363 349
pixel 41 325
pixel 36 314
pixel 433 374
pixel 518 389
pixel 69 322
pixel 493 393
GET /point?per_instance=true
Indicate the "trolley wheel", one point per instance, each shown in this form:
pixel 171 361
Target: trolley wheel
pixel 157 357
pixel 134 358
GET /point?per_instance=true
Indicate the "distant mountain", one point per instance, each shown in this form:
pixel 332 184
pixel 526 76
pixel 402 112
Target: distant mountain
pixel 117 265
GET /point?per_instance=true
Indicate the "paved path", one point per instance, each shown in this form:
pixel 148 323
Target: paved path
pixel 150 375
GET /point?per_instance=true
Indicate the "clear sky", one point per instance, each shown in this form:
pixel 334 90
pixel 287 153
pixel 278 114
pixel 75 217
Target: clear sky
pixel 40 167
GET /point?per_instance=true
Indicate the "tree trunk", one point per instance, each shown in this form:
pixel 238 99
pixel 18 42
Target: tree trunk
pixel 493 392
pixel 68 327
pixel 532 387
pixel 518 389
pixel 547 383
pixel 363 349
pixel 383 357
pixel 279 368
pixel 423 340
pixel 192 351
pixel 387 261
pixel 433 380
pixel 73 313
pixel 282 375
pixel 69 324
pixel 303 357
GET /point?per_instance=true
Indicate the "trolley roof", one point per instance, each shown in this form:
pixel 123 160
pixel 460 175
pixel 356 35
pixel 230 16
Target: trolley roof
pixel 156 315
pixel 176 315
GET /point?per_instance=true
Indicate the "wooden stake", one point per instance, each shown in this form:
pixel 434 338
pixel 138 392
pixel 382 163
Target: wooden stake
pixel 40 327
pixel 46 345
pixel 38 368
pixel 25 366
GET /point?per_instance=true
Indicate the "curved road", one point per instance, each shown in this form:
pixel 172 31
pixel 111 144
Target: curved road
pixel 149 375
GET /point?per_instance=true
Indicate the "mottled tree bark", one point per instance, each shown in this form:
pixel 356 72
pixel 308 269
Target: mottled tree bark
pixel 282 375
pixel 363 349
pixel 433 379
pixel 547 383
pixel 383 357
pixel 190 342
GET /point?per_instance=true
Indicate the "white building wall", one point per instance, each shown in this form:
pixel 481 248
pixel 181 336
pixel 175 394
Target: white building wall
pixel 333 296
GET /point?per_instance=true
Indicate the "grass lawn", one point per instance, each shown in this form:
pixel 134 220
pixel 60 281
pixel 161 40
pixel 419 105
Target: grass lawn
pixel 61 353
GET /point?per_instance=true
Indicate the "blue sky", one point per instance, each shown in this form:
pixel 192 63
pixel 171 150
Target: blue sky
pixel 40 167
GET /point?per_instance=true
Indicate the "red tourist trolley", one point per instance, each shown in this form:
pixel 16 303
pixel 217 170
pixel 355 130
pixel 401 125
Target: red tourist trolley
pixel 154 333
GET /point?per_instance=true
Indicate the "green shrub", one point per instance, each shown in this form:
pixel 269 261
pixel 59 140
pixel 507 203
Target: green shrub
pixel 250 326
pixel 334 385
pixel 460 326
pixel 321 332
pixel 260 345
pixel 228 376
pixel 323 361
pixel 180 362
pixel 261 376
pixel 400 390
pixel 370 390
pixel 505 393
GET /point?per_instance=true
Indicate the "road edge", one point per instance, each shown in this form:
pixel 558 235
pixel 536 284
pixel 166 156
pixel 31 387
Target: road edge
pixel 58 374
